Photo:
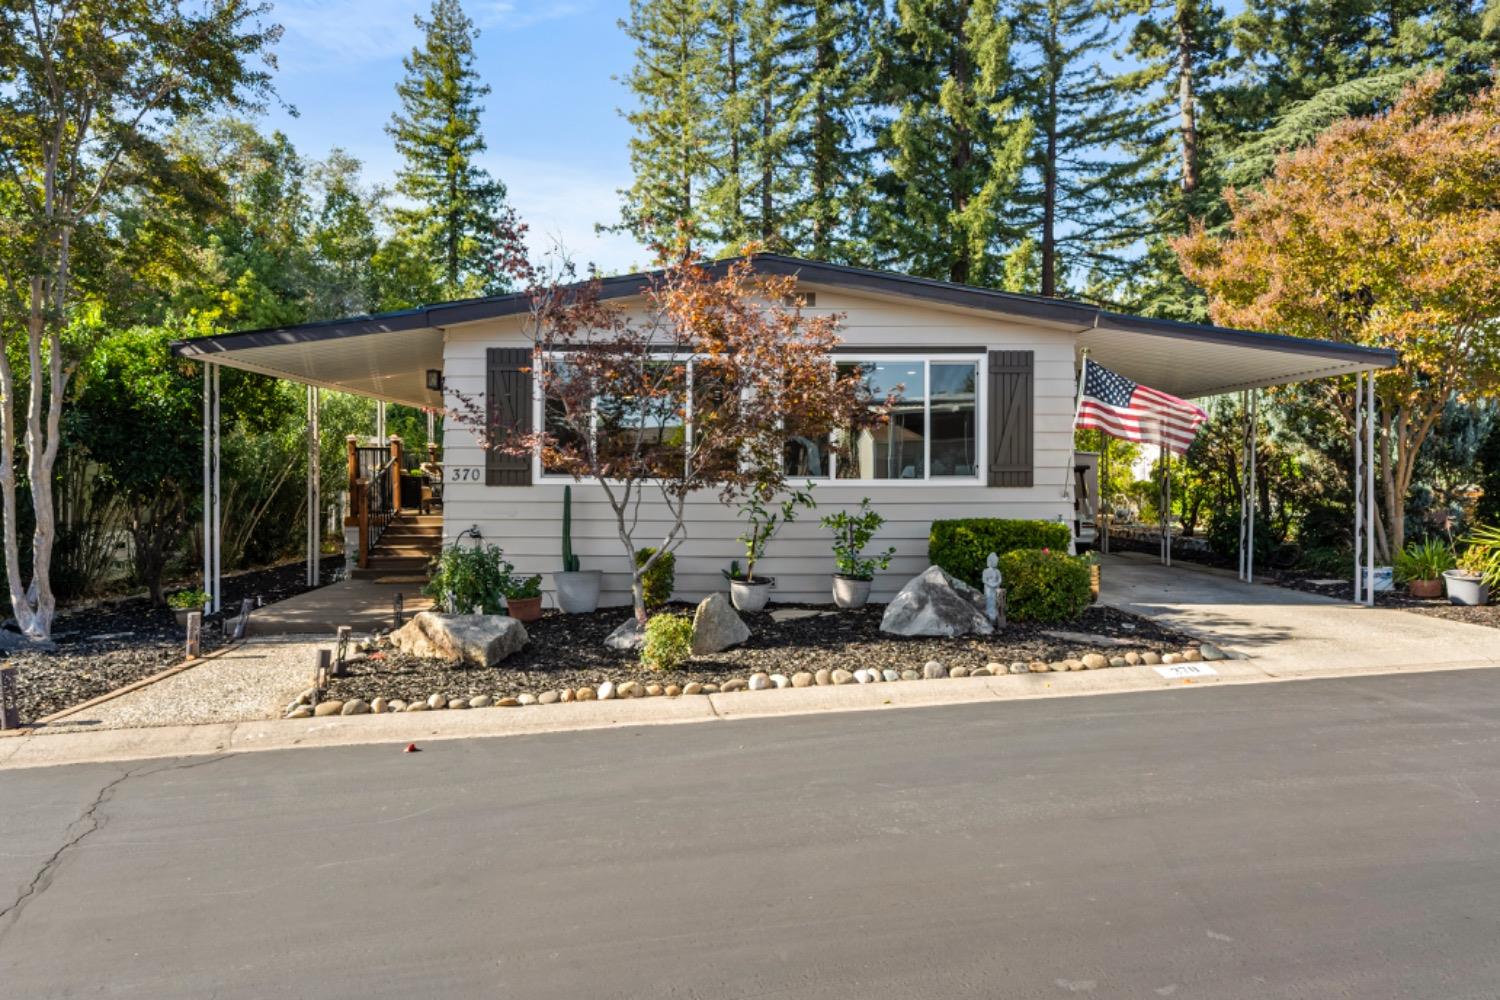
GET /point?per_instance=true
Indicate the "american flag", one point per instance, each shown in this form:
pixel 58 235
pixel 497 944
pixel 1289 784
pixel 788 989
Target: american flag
pixel 1125 409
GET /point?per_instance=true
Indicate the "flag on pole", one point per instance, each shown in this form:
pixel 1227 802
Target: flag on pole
pixel 1112 403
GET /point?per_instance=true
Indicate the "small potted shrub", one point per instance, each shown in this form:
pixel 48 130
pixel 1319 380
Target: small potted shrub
pixel 577 588
pixel 1421 566
pixel 185 602
pixel 747 591
pixel 854 571
pixel 1477 571
pixel 669 642
pixel 469 581
pixel 523 597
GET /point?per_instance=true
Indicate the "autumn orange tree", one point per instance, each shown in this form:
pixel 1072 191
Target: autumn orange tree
pixel 1386 233
pixel 695 386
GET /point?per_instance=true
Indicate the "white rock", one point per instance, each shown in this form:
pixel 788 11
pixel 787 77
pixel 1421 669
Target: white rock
pixel 781 680
pixel 862 675
pixel 436 701
pixel 481 701
pixel 933 670
pixel 606 691
pixel 891 675
pixel 479 640
pixel 759 682
pixel 526 699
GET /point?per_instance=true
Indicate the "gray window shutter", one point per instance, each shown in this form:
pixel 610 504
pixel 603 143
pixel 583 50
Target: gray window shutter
pixel 508 409
pixel 1011 417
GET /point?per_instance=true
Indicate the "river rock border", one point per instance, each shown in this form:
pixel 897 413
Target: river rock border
pixel 307 705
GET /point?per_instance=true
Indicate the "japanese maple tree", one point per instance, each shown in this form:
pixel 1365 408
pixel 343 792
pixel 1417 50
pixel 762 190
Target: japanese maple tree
pixel 625 410
pixel 1385 232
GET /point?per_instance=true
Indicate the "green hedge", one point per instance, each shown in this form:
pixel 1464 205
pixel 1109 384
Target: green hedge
pixel 1044 586
pixel 960 546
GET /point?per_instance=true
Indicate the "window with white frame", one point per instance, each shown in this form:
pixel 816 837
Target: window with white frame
pixel 932 433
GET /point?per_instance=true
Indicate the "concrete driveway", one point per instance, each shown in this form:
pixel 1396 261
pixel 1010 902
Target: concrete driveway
pixel 1290 633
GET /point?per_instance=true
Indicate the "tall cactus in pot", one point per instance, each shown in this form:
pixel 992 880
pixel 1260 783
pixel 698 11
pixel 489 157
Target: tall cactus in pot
pixel 570 561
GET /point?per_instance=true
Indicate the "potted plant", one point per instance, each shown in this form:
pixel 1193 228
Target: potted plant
pixel 185 602
pixel 1478 569
pixel 577 589
pixel 854 571
pixel 747 591
pixel 1421 566
pixel 523 597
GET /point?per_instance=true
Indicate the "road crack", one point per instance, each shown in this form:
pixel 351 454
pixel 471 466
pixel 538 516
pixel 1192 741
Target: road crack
pixel 90 822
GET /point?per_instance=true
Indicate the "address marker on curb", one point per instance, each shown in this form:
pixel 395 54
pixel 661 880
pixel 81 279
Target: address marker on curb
pixel 1187 670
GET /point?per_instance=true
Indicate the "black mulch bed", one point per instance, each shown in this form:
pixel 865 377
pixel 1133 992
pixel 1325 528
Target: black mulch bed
pixel 569 651
pixel 107 645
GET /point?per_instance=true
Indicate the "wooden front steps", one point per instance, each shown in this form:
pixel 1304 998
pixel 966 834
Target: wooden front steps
pixel 406 548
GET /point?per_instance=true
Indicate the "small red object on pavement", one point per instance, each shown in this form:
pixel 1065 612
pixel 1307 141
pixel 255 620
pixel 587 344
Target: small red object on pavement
pixel 412 748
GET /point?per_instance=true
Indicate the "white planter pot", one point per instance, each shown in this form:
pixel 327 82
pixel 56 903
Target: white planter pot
pixel 1465 588
pixel 181 614
pixel 849 592
pixel 748 596
pixel 578 593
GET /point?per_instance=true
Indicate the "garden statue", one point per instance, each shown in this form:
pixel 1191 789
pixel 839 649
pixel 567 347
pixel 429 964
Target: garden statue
pixel 991 579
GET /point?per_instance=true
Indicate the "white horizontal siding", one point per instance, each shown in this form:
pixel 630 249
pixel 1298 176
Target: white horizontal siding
pixel 527 521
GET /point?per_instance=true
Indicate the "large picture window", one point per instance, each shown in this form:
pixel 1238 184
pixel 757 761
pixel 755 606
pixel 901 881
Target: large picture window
pixel 932 433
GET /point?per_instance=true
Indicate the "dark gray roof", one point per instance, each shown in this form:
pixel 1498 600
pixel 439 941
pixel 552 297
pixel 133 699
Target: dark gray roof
pixel 1063 311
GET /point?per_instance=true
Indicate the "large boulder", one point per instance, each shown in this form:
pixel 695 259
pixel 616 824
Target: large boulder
pixel 477 640
pixel 936 604
pixel 716 627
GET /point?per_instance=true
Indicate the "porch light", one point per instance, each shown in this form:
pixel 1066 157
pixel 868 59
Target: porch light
pixel 435 379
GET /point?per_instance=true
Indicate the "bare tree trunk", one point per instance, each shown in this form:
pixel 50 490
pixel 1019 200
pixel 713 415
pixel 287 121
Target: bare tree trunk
pixel 1186 97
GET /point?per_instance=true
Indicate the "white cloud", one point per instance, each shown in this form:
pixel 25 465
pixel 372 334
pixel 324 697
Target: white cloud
pixel 562 204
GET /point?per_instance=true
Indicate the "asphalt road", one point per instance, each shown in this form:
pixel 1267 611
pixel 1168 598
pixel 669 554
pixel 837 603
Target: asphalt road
pixel 1317 839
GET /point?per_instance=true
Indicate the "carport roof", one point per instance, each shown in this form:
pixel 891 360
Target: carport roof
pixel 386 356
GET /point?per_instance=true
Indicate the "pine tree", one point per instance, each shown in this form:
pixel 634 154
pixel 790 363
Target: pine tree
pixel 955 145
pixel 1086 187
pixel 455 204
pixel 673 81
pixel 831 47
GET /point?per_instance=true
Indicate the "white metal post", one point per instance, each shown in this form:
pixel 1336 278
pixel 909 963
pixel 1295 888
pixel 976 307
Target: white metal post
pixel 212 564
pixel 314 501
pixel 380 421
pixel 1370 488
pixel 1359 483
pixel 218 591
pixel 1254 416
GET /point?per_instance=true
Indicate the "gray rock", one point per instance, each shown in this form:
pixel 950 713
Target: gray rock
pixel 824 676
pixel 802 679
pixel 759 682
pixel 356 706
pixel 548 698
pixel 606 691
pixel 628 638
pixel 842 677
pixel 1117 661
pixel 734 684
pixel 891 675
pixel 526 699
pixel 1019 668
pixel 716 626
pixel 1211 652
pixel 781 680
pixel 481 701
pixel 935 603
pixel 910 675
pixel 1095 661
pixel 328 708
pixel 300 712
pixel 793 614
pixel 933 670
pixel 478 640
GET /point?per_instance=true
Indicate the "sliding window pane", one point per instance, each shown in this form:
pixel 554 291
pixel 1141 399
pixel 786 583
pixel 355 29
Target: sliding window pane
pixel 952 408
pixel 897 449
pixel 651 425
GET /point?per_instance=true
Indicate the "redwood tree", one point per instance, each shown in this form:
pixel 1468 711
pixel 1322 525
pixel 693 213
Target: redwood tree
pixel 1386 233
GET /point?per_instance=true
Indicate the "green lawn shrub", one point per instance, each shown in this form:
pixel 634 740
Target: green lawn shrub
pixel 1044 585
pixel 960 546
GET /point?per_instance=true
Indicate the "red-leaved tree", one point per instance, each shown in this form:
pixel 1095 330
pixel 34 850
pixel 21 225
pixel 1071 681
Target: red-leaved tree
pixel 697 385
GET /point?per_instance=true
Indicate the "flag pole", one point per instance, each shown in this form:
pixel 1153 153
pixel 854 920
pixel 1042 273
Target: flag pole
pixel 1083 374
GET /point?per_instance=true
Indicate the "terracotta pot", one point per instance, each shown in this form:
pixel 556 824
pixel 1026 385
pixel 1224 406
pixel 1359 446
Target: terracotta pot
pixel 524 609
pixel 1425 589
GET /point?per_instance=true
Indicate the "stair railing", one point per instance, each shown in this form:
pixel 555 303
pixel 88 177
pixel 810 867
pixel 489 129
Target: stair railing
pixel 374 491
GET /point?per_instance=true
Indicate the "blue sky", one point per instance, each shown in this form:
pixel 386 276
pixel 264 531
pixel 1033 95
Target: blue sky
pixel 556 138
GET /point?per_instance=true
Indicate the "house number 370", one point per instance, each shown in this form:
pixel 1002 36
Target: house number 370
pixel 464 474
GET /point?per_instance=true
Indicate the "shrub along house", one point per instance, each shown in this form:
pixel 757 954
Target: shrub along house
pixel 983 426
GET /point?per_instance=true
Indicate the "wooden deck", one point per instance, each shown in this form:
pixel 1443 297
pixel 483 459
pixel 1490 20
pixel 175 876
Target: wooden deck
pixel 365 605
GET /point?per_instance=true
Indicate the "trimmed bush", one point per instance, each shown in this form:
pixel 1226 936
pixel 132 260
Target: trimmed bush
pixel 660 579
pixel 1042 585
pixel 961 546
pixel 669 642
